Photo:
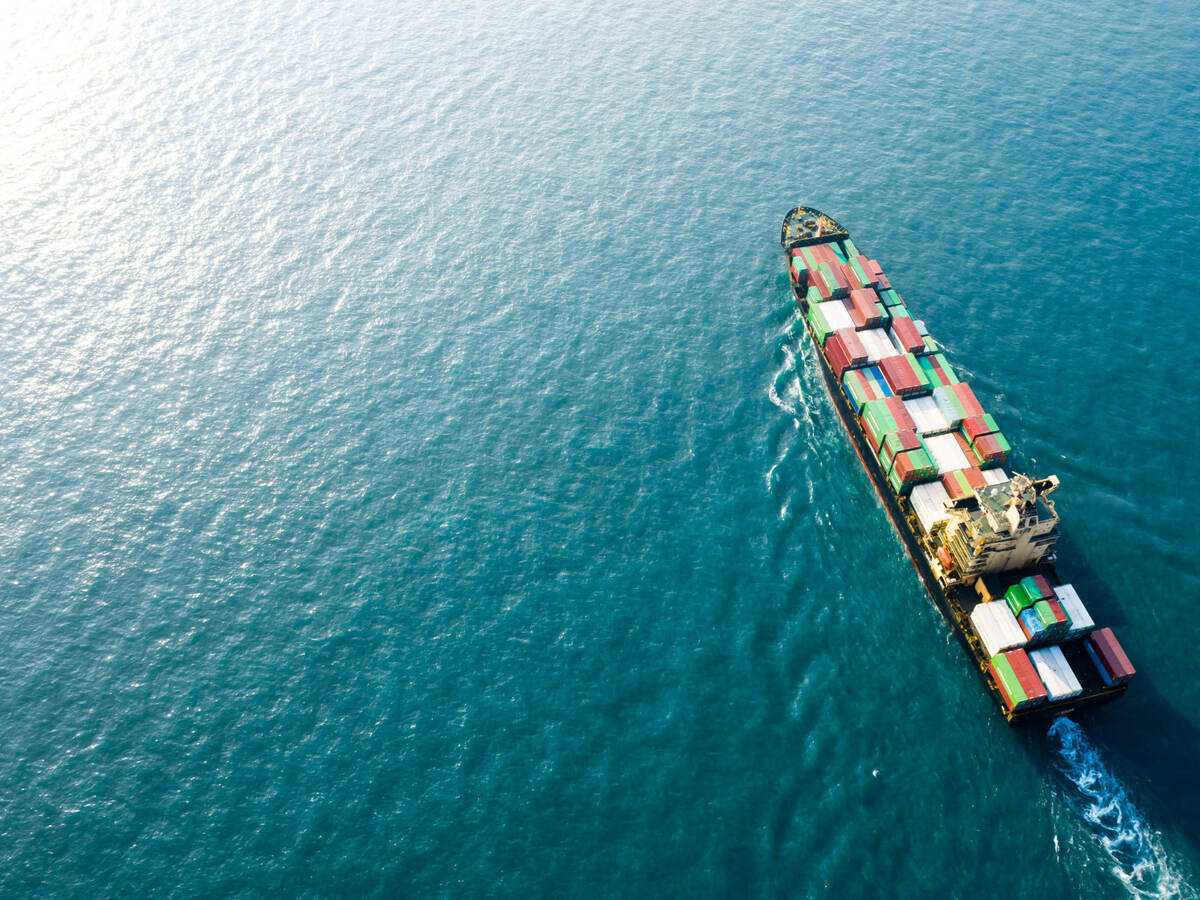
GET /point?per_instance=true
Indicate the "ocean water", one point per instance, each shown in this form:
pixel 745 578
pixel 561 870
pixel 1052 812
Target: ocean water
pixel 414 483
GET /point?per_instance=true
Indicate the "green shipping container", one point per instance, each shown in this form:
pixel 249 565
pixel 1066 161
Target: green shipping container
pixel 860 394
pixel 826 275
pixel 1002 441
pixel 898 487
pixel 820 325
pixel 878 421
pixel 1010 685
pixel 899 312
pixel 1017 598
pixel 891 298
pixel 1030 586
pixel 860 273
pixel 848 248
pixel 813 296
pixel 922 463
pixel 1045 614
pixel 884 313
pixel 932 374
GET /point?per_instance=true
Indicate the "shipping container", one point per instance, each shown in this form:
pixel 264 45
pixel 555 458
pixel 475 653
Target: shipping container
pixel 853 346
pixel 1109 657
pixel 1081 620
pixel 996 626
pixel 929 503
pixel 977 426
pixel 946 453
pixel 1026 674
pixel 1055 673
pixel 863 301
pixel 905 336
pixel 926 416
pixel 876 342
pixel 1017 598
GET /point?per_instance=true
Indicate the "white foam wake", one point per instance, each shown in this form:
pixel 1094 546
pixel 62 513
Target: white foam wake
pixel 1139 859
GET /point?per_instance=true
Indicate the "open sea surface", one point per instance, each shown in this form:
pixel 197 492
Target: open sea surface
pixel 415 481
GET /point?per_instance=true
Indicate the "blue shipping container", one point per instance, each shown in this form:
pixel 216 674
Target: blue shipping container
pixel 1032 623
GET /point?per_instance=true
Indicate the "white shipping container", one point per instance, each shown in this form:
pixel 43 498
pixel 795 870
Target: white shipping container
pixel 996 627
pixel 995 476
pixel 946 453
pixel 1011 634
pixel 921 329
pixel 985 627
pixel 1056 674
pixel 928 501
pixel 927 416
pixel 1081 620
pixel 836 314
pixel 877 343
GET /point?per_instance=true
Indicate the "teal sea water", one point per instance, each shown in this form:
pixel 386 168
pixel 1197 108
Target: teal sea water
pixel 413 485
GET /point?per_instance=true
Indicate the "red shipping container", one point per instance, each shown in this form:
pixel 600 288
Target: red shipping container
pixel 988 448
pixel 1026 674
pixel 966 397
pixel 908 441
pixel 1044 586
pixel 857 319
pixel 864 300
pixel 1116 663
pixel 1060 615
pixel 819 284
pixel 899 375
pixel 796 252
pixel 953 488
pixel 835 352
pixel 963 445
pixel 865 265
pixel 900 413
pixel 975 478
pixel 904 468
pixel 906 334
pixel 975 427
pixel 853 346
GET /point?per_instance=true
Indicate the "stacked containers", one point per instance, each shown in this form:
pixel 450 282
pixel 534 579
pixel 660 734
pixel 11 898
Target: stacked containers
pixel 962 483
pixel 893 445
pixel 904 375
pixel 861 385
pixel 1018 599
pixel 997 627
pixel 988 445
pixel 878 346
pixel 864 308
pixel 929 503
pixel 1017 679
pixel 910 467
pixel 926 416
pixel 905 336
pixel 957 402
pixel 946 453
pixel 1081 620
pixel 1055 673
pixel 890 298
pixel 1108 655
pixel 827 317
pixel 937 369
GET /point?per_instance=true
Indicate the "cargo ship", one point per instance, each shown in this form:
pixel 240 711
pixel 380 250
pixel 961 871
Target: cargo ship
pixel 981 538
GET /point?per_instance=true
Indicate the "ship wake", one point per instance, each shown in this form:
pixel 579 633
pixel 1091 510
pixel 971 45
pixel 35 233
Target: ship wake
pixel 1135 848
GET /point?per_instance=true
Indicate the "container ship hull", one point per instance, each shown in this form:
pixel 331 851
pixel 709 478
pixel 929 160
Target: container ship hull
pixel 956 596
